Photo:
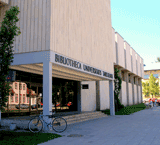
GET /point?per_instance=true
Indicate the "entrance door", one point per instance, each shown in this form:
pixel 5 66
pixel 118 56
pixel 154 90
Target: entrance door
pixel 64 95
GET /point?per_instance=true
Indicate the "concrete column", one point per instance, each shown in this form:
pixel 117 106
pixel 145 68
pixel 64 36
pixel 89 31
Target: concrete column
pixel 47 91
pixel 127 88
pixel 79 97
pixel 111 95
pixel 97 96
pixel 141 90
pixel 132 81
pixel 136 79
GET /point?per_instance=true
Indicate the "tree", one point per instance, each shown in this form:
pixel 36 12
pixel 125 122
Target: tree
pixel 8 31
pixel 153 86
pixel 117 84
pixel 145 86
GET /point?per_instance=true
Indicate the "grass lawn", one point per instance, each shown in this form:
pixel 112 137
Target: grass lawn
pixel 25 138
pixel 127 110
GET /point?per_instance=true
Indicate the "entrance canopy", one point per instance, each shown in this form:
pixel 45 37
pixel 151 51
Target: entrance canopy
pixel 62 67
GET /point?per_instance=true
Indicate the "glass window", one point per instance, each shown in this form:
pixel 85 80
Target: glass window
pixel 155 75
pixel 16 98
pixel 20 98
pixel 146 76
pixel 20 86
pixel 23 86
pixel 23 98
pixel 12 99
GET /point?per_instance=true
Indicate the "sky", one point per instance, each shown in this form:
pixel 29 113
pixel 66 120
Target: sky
pixel 138 22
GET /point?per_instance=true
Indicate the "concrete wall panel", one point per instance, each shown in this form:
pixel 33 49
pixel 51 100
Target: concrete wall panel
pixel 142 67
pixel 128 57
pixel 134 60
pixel 114 47
pixel 82 30
pixel 124 93
pixel 139 88
pixel 78 29
pixel 88 96
pixel 104 95
pixel 138 65
pixel 120 46
pixel 130 94
pixel 135 94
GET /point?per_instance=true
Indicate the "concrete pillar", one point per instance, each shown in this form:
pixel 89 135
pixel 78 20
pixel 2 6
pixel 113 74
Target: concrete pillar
pixel 127 88
pixel 47 91
pixel 141 90
pixel 132 82
pixel 97 96
pixel 136 80
pixel 79 97
pixel 111 95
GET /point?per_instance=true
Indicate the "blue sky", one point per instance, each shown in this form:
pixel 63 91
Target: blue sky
pixel 138 22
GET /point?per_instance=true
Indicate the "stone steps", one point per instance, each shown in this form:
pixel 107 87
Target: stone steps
pixel 83 117
pixel 23 124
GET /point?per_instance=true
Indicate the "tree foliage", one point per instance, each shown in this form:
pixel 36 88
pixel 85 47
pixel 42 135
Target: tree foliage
pixel 145 86
pixel 8 31
pixel 117 85
pixel 153 86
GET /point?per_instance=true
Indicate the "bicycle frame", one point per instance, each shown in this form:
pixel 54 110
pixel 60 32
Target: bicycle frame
pixel 41 117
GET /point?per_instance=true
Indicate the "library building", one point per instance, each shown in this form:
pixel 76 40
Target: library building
pixel 65 57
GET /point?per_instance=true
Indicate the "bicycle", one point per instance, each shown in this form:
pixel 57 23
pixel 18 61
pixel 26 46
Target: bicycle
pixel 59 124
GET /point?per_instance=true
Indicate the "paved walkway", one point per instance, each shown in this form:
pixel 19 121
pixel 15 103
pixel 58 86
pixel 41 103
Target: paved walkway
pixel 140 128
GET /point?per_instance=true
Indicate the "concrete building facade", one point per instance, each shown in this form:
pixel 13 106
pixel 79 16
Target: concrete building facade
pixel 74 40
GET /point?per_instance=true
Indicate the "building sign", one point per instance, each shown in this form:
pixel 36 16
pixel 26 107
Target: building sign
pixel 78 65
pixel 67 61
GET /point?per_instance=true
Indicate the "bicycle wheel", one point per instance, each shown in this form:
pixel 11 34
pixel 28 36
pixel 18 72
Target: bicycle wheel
pixel 35 125
pixel 59 124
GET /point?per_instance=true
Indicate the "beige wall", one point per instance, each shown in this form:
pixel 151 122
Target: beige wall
pixel 124 94
pixel 82 30
pixel 114 47
pixel 142 68
pixel 135 94
pixel 104 95
pixel 2 12
pixel 34 25
pixel 120 44
pixel 128 57
pixel 138 64
pixel 77 29
pixel 88 96
pixel 134 61
pixel 139 94
pixel 130 94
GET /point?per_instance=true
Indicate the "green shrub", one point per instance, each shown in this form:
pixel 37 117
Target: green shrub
pixel 127 110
